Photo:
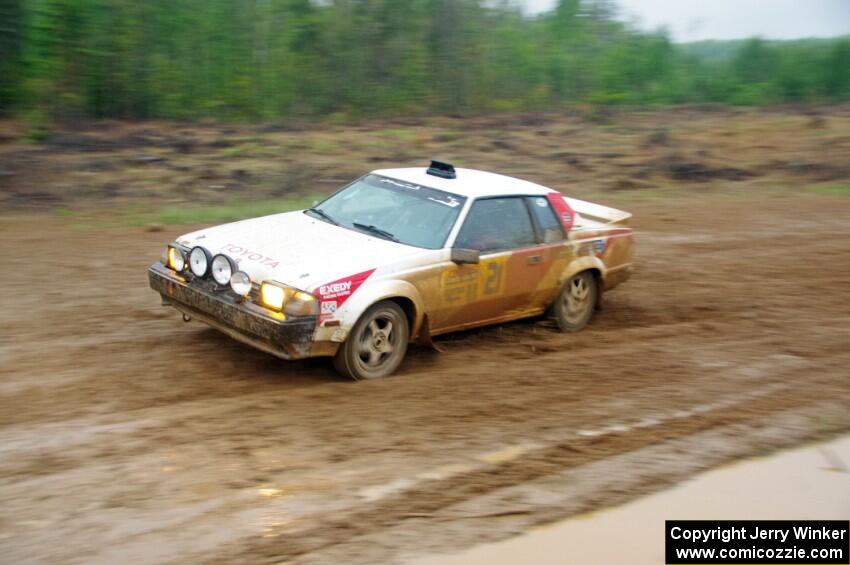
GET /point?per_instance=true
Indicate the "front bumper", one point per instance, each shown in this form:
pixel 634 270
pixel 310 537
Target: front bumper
pixel 288 338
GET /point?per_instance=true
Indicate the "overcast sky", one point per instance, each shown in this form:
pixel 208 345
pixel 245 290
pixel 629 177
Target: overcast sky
pixel 692 20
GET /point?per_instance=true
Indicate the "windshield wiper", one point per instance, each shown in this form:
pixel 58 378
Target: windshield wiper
pixel 375 230
pixel 322 214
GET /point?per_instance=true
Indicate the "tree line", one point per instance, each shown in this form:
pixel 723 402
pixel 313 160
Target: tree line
pixel 270 59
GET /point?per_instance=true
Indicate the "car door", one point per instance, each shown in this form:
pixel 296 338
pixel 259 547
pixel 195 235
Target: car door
pixel 514 261
pixel 551 256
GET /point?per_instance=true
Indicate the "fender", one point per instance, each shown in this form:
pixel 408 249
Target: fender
pixel 375 291
pixel 582 264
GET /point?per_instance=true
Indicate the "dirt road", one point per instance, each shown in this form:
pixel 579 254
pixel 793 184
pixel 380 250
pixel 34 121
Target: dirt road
pixel 127 435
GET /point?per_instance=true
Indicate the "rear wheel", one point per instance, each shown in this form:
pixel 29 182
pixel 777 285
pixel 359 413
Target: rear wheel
pixel 376 345
pixel 574 306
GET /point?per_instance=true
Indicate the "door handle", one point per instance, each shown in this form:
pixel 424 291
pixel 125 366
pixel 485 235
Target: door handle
pixel 535 259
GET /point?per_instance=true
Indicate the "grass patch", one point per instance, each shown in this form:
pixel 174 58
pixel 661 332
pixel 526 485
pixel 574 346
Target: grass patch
pixel 201 214
pixel 402 135
pixel 452 136
pixel 325 146
pixel 653 193
pixel 832 189
pixel 296 143
pixel 810 190
pixel 65 213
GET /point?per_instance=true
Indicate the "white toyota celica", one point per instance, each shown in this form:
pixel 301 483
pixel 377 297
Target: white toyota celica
pixel 398 255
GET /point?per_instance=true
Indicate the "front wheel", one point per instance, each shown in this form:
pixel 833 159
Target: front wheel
pixel 376 345
pixel 574 307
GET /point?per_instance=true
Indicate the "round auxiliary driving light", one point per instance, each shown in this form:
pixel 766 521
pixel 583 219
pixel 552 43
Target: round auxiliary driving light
pixel 240 283
pixel 199 261
pixel 222 269
pixel 175 259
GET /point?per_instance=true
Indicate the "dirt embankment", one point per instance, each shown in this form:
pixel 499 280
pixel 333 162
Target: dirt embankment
pixel 113 164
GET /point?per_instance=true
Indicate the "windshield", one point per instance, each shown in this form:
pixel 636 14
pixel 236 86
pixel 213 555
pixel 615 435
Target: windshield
pixel 393 209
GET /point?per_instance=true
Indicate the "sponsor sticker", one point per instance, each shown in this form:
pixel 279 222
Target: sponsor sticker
pixel 238 252
pixel 333 294
pixel 449 201
pixel 565 213
pixel 463 287
pixel 335 289
pixel 401 184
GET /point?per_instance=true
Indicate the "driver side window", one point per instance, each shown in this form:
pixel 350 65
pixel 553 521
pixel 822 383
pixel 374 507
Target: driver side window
pixel 496 224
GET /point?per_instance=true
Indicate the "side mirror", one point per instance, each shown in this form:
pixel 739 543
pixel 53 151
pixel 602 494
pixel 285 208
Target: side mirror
pixel 461 256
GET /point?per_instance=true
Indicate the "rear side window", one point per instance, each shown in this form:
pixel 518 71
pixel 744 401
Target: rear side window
pixel 497 224
pixel 547 221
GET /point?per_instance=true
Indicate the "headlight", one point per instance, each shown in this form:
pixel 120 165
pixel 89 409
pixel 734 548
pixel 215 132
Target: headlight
pixel 240 283
pixel 302 304
pixel 288 300
pixel 199 261
pixel 222 269
pixel 175 259
pixel 273 296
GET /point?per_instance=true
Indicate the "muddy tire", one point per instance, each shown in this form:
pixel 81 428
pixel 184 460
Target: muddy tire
pixel 574 307
pixel 376 345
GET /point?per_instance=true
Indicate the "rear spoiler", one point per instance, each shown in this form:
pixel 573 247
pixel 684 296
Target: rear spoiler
pixel 598 212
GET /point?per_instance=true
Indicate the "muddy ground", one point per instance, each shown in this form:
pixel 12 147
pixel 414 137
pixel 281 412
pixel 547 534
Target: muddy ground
pixel 129 436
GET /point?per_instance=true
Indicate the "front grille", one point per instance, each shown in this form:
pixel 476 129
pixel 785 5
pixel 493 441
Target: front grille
pixel 245 320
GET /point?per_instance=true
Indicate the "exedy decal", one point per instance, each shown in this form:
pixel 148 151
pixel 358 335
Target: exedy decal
pixel 335 289
pixel 334 294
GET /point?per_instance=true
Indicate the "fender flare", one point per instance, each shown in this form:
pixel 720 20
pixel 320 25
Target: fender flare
pixel 590 262
pixel 587 263
pixel 370 294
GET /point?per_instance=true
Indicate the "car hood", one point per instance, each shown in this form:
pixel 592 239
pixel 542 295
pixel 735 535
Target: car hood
pixel 295 249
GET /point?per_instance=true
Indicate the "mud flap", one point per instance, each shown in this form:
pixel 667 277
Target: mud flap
pixel 424 338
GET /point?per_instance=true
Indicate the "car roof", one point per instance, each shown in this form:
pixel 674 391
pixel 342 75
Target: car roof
pixel 469 182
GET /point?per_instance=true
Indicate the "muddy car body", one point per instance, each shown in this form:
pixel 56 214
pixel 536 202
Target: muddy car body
pixel 399 255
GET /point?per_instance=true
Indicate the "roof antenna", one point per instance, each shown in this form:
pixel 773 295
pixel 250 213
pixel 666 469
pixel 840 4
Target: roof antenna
pixel 442 170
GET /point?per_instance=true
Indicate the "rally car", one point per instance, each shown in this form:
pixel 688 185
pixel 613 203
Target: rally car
pixel 397 256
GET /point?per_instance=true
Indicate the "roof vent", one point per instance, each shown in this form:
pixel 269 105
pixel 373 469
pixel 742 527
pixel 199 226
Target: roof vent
pixel 442 170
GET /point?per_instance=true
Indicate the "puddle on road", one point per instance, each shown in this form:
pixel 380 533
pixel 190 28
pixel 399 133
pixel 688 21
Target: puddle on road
pixel 809 483
pixel 508 453
pixel 377 492
pixel 269 492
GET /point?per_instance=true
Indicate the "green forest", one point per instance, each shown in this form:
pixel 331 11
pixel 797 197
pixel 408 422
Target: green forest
pixel 347 59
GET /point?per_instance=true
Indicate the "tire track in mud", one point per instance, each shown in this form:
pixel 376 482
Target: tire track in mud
pixel 500 471
pixel 121 450
pixel 424 497
pixel 33 444
pixel 163 438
